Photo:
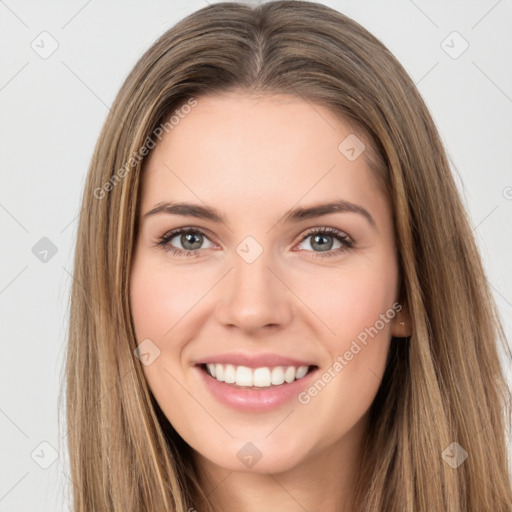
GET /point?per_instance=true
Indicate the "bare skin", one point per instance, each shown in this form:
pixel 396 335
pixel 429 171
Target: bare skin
pixel 253 159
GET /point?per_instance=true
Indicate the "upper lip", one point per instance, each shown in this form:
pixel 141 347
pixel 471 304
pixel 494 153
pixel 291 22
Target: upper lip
pixel 253 360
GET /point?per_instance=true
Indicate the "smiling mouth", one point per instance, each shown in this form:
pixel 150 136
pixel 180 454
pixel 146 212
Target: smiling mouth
pixel 256 378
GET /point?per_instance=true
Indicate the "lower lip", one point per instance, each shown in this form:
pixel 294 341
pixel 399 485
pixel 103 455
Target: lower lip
pixel 255 399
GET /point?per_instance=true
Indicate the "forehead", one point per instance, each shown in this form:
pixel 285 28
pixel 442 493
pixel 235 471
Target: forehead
pixel 239 148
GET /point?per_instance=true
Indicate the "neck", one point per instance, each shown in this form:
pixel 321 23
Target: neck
pixel 323 480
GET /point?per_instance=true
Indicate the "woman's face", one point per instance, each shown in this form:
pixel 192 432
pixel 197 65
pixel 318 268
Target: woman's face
pixel 262 289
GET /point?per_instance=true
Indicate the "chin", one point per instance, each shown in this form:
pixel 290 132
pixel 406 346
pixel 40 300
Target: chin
pixel 263 456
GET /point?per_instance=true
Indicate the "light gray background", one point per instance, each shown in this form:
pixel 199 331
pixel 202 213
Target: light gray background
pixel 51 113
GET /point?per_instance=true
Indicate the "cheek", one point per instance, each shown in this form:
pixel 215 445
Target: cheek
pixel 356 304
pixel 165 303
pixel 351 300
pixel 358 307
pixel 159 298
pixel 159 301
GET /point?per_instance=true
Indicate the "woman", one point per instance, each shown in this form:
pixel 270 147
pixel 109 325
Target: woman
pixel 278 302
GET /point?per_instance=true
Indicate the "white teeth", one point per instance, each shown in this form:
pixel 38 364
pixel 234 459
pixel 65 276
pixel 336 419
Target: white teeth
pixel 219 372
pixel 301 371
pixel 211 369
pixel 277 375
pixel 243 376
pixel 257 377
pixel 230 374
pixel 261 377
pixel 289 374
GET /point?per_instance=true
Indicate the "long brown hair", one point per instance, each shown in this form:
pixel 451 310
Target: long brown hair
pixel 442 385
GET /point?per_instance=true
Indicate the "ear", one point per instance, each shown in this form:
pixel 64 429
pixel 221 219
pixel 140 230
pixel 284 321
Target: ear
pixel 401 325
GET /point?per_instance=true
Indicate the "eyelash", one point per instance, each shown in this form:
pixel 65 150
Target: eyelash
pixel 346 241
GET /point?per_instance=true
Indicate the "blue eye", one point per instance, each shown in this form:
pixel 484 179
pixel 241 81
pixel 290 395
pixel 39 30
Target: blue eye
pixel 319 237
pixel 191 239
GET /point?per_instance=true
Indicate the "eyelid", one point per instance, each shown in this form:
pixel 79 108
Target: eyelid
pixel 346 240
pixel 169 235
pixel 325 229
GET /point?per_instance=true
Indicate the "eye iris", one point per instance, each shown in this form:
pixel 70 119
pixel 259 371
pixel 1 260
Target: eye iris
pixel 188 238
pixel 324 246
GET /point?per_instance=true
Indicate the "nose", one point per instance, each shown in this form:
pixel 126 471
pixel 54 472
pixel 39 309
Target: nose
pixel 254 296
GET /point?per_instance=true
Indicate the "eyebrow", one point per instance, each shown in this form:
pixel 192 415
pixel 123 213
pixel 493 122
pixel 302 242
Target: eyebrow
pixel 293 215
